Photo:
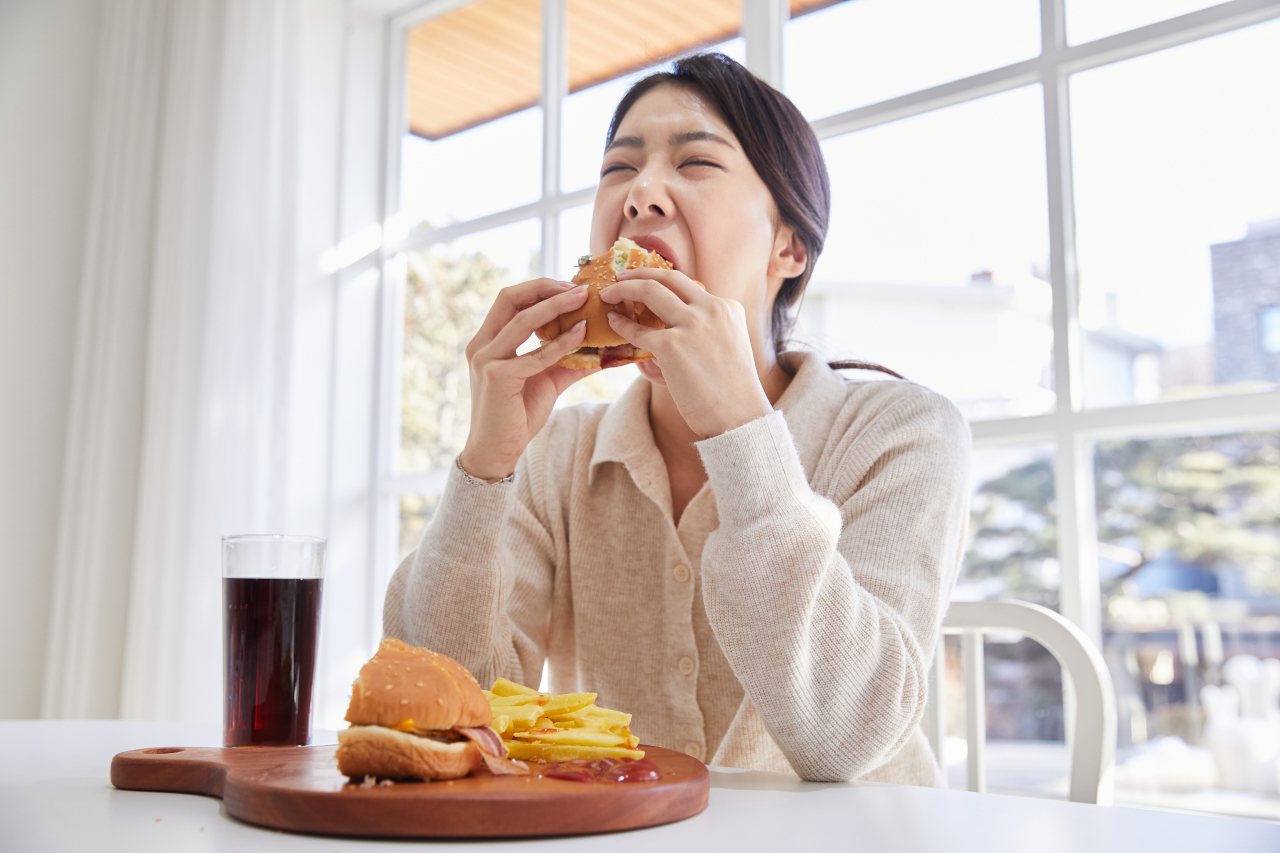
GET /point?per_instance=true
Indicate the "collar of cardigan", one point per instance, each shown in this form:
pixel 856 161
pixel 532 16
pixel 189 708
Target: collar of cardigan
pixel 624 434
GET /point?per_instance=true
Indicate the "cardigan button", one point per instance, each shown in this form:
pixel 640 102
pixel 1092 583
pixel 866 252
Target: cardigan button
pixel 686 666
pixel 681 573
pixel 693 750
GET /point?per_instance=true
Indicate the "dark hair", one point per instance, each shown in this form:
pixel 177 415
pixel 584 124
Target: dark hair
pixel 780 146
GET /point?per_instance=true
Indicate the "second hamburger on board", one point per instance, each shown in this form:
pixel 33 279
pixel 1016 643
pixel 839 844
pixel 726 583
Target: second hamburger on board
pixel 602 346
pixel 416 714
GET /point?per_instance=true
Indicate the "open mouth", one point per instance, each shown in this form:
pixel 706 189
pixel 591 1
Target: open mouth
pixel 653 244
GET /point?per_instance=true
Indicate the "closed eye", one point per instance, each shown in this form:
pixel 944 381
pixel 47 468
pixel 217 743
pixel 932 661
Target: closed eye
pixel 696 162
pixel 614 168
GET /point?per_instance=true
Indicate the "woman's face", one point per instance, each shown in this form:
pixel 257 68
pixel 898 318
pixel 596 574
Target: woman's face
pixel 676 180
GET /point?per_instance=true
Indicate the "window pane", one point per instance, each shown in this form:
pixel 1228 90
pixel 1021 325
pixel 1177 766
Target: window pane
pixel 1013 527
pixel 448 291
pixel 489 168
pixel 853 54
pixel 1177 188
pixel 586 122
pixel 415 514
pixel 1093 19
pixel 934 261
pixel 473 83
pixel 587 112
pixel 1025 753
pixel 575 238
pixel 1189 557
pixel 1013 553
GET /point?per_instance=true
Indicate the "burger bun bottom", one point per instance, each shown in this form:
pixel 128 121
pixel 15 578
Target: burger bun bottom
pixel 589 359
pixel 389 754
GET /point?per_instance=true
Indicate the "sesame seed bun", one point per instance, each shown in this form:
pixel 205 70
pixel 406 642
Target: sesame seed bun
pixel 404 708
pixel 598 273
pixel 387 754
pixel 402 682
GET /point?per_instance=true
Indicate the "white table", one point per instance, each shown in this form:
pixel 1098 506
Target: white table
pixel 55 795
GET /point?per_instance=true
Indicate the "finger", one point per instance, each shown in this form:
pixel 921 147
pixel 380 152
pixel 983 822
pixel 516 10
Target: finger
pixel 512 300
pixel 549 353
pixel 563 377
pixel 677 282
pixel 669 307
pixel 534 317
pixel 634 333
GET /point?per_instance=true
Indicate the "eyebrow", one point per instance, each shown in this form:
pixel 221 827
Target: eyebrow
pixel 625 142
pixel 676 139
pixel 698 136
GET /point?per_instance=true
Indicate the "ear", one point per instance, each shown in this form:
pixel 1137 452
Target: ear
pixel 789 254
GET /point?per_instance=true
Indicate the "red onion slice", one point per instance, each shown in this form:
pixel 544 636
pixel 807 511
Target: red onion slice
pixel 504 766
pixel 492 750
pixel 487 738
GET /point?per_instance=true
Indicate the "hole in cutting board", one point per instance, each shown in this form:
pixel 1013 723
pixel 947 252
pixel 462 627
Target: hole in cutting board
pixel 165 751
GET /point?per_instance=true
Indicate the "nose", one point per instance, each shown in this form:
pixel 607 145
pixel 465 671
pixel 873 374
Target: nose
pixel 648 198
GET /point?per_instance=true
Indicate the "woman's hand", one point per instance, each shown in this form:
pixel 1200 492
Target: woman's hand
pixel 704 353
pixel 512 395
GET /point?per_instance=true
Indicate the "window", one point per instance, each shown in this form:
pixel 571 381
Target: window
pixel 1068 226
pixel 1093 19
pixel 937 254
pixel 1189 556
pixel 1175 182
pixel 447 292
pixel 1269 329
pixel 880 49
pixel 494 153
pixel 1013 527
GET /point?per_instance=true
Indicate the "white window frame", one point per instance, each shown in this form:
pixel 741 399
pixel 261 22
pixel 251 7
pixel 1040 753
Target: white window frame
pixel 1071 427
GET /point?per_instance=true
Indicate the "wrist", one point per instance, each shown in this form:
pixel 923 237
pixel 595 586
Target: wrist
pixel 477 469
pixel 731 420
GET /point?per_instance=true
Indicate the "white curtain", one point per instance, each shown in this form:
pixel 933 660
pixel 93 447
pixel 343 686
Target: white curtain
pixel 191 345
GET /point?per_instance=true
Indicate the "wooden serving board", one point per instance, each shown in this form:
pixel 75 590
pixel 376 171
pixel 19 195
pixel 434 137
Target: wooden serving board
pixel 299 788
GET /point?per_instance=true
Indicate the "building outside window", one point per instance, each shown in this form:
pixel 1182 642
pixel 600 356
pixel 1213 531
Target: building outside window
pixel 1064 215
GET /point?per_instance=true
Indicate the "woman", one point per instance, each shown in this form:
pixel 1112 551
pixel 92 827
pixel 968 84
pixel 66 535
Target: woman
pixel 746 552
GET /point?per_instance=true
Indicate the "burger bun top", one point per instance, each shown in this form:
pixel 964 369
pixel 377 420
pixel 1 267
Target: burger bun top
pixel 403 682
pixel 598 273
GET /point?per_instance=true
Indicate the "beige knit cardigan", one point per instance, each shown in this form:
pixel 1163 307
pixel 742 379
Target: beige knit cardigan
pixel 786 623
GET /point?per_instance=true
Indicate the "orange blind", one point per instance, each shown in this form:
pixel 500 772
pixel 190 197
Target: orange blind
pixel 483 61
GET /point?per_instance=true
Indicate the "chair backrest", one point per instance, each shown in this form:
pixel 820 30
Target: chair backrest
pixel 1084 674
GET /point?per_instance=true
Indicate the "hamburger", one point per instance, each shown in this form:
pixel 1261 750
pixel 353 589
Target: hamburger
pixel 602 346
pixel 416 714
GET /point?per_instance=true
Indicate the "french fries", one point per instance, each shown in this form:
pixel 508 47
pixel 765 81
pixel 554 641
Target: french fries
pixel 564 754
pixel 552 727
pixel 503 687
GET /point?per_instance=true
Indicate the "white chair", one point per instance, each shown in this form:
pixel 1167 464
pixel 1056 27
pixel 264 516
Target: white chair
pixel 1084 674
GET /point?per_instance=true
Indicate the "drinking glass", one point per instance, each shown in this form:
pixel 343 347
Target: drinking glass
pixel 271 588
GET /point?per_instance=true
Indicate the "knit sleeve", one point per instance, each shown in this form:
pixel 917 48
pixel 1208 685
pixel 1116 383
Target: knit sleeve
pixel 828 606
pixel 478 587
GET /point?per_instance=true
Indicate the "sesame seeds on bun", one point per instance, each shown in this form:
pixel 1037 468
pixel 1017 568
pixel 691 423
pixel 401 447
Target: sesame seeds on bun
pixel 403 682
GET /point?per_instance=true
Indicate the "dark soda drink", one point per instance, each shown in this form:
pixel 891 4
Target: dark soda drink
pixel 269 631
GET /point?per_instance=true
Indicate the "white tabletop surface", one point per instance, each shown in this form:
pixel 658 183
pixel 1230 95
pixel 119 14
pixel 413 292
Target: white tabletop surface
pixel 55 796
